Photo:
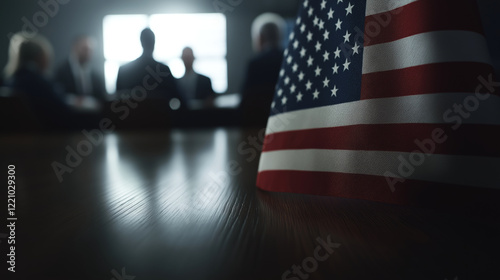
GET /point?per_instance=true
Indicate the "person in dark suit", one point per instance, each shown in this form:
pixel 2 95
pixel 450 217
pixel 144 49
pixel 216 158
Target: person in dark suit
pixel 29 82
pixel 148 73
pixel 195 88
pixel 76 76
pixel 263 70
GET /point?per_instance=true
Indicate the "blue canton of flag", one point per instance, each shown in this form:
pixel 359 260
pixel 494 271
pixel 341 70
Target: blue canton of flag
pixel 323 61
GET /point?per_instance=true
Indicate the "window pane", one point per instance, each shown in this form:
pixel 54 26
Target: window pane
pixel 216 69
pixel 110 74
pixel 205 33
pixel 121 36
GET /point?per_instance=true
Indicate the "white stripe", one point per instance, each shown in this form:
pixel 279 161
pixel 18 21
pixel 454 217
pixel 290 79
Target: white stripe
pixel 428 108
pixel 381 6
pixel 426 48
pixel 460 170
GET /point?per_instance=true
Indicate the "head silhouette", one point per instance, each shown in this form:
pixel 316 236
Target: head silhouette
pixel 267 31
pixel 148 40
pixel 37 53
pixel 83 48
pixel 188 58
pixel 270 35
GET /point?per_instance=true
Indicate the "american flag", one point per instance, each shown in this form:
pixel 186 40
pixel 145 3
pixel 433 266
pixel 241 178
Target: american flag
pixel 377 100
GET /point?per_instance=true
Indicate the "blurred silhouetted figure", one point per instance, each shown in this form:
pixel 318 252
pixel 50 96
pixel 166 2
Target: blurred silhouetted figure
pixel 13 58
pixel 30 83
pixel 76 75
pixel 263 70
pixel 146 72
pixel 195 88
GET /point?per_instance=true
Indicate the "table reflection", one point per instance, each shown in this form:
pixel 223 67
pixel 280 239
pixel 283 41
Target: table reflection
pixel 125 198
pixel 182 186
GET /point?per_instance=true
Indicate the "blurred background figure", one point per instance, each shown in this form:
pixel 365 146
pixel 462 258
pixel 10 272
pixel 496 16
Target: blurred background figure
pixel 29 82
pixel 148 73
pixel 196 89
pixel 76 75
pixel 263 70
pixel 13 57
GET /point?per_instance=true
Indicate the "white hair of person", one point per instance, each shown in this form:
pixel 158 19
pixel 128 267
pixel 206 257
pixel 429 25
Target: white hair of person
pixel 261 21
pixel 13 57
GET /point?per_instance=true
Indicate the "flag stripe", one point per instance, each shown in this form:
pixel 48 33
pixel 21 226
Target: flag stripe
pixel 474 140
pixel 386 27
pixel 427 108
pixel 449 169
pixel 426 48
pixel 424 79
pixel 381 6
pixel 375 188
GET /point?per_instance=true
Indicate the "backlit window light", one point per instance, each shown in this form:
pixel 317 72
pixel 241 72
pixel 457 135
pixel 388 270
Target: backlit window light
pixel 205 33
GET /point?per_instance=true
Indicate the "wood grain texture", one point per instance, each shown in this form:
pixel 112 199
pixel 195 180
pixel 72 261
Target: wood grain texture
pixel 165 205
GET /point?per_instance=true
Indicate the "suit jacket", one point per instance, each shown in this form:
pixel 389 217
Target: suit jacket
pixel 263 71
pixel 259 87
pixel 203 89
pixel 66 79
pixel 145 69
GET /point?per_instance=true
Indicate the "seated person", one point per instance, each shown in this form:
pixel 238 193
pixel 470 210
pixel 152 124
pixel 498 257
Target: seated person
pixel 195 88
pixel 29 82
pixel 76 76
pixel 263 70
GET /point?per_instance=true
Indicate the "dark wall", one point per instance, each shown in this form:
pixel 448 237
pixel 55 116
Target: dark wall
pixel 77 17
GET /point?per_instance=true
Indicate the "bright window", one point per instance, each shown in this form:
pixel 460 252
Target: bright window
pixel 205 33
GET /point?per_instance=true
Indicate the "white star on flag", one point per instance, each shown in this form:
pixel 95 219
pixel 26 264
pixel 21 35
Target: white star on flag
pixel 326 82
pixel 346 64
pixel 355 49
pixel 326 35
pixel 349 9
pixel 284 100
pixel 337 53
pixel 347 36
pixel 326 56
pixel 318 46
pixel 335 69
pixel 330 14
pixel 317 71
pixel 299 96
pixel 338 25
pixel 309 36
pixel 316 94
pixel 334 91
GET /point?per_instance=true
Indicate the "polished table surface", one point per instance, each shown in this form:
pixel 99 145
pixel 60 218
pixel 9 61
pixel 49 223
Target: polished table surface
pixel 183 204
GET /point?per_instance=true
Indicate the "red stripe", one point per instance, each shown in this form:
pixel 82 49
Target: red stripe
pixel 375 188
pixel 419 17
pixel 470 140
pixel 424 79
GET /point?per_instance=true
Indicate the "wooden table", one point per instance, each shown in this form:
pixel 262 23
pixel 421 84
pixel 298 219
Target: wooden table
pixel 183 204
